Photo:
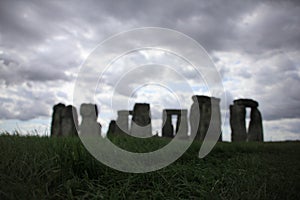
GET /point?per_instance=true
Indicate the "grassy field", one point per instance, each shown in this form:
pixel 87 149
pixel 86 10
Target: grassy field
pixel 61 168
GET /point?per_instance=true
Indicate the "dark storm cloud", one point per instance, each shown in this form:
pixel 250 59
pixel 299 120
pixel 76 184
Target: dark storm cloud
pixel 277 83
pixel 27 22
pixel 251 26
pixel 215 24
pixel 14 73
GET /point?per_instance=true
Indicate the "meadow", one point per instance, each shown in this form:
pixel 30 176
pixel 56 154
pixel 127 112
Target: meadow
pixel 35 167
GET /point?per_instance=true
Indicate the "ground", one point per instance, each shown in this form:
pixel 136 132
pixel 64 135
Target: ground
pixel 61 168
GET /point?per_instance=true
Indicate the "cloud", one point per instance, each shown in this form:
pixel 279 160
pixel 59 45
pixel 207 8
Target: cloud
pixel 273 81
pixel 254 45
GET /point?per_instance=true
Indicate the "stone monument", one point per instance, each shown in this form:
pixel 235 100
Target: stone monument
pixel 122 122
pixel 56 119
pixel 200 116
pixel 69 121
pixel 89 124
pixel 238 121
pixel 112 127
pixel 141 120
pixel 181 123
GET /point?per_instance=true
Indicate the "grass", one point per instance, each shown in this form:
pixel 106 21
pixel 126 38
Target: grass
pixel 61 168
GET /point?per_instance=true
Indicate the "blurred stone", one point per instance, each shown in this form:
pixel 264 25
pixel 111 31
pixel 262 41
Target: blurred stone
pixel 255 128
pixel 89 124
pixel 200 117
pixel 69 121
pixel 122 122
pixel 167 127
pixel 112 127
pixel 141 120
pixel 181 123
pixel 215 124
pixel 238 123
pixel 246 102
pixel 56 119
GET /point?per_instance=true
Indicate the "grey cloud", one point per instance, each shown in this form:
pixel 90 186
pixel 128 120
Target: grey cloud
pixel 215 24
pixel 274 82
pixel 14 73
pixel 44 43
pixel 24 103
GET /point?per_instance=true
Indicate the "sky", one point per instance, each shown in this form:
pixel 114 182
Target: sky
pixel 255 46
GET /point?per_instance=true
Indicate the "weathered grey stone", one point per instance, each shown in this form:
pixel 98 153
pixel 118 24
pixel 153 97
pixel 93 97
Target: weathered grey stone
pixel 205 115
pixel 56 119
pixel 195 119
pixel 141 120
pixel 200 116
pixel 182 124
pixel 69 121
pixel 201 99
pixel 122 121
pixel 215 124
pixel 238 123
pixel 89 124
pixel 246 102
pixel 112 127
pixel 167 127
pixel 255 132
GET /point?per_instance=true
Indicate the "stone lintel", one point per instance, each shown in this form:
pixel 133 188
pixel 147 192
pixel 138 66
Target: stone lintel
pixel 175 111
pixel 246 102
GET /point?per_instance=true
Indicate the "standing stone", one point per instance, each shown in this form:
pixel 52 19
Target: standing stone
pixel 112 127
pixel 200 116
pixel 238 122
pixel 205 115
pixel 195 118
pixel 182 124
pixel 122 122
pixel 255 128
pixel 168 129
pixel 215 124
pixel 246 102
pixel 56 119
pixel 69 121
pixel 89 124
pixel 178 123
pixel 141 120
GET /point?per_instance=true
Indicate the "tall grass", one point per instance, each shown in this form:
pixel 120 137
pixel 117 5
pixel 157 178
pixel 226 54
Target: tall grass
pixel 35 167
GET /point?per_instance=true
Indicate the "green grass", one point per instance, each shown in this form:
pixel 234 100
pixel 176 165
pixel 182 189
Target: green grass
pixel 61 168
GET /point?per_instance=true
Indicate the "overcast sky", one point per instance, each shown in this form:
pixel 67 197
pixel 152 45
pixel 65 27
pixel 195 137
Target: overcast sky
pixel 255 46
